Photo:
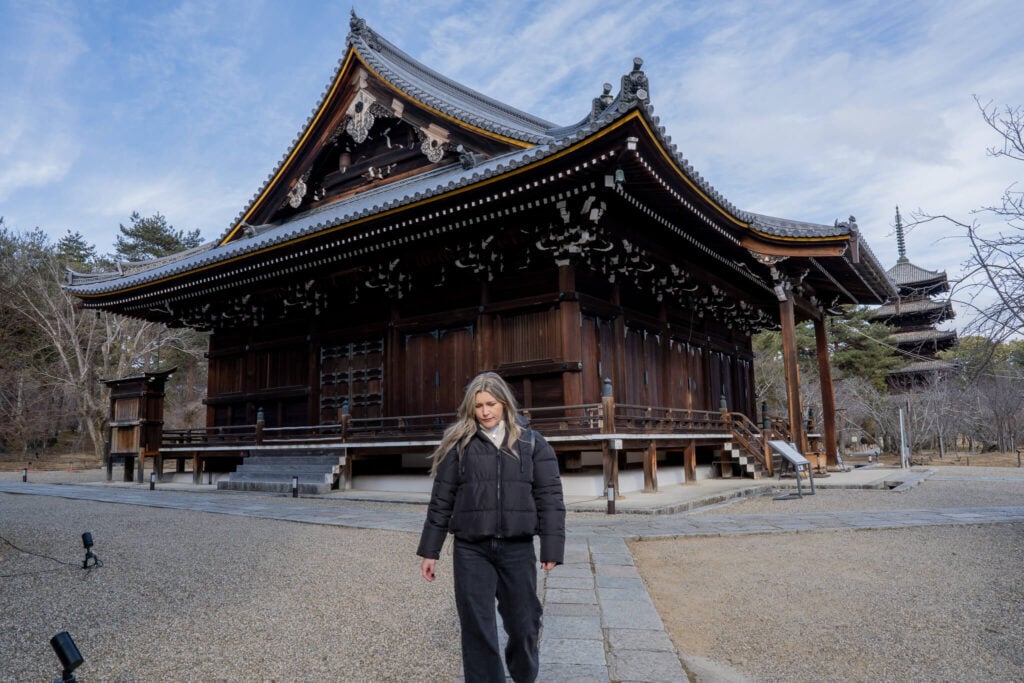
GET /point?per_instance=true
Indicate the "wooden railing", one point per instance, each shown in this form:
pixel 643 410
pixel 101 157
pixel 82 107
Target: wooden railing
pixel 584 419
pixel 648 419
pixel 752 439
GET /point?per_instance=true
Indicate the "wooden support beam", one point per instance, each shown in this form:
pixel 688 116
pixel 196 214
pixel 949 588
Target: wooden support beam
pixel 690 462
pixel 651 468
pixel 828 399
pixel 571 335
pixel 346 472
pixel 609 466
pixel 792 371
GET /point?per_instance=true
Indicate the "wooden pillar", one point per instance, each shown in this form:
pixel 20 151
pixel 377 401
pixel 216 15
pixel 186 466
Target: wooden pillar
pixel 484 350
pixel 788 321
pixel 108 459
pixel 690 462
pixel 618 373
pixel 609 461
pixel 651 468
pixel 394 396
pixel 828 399
pixel 609 455
pixel 197 468
pixel 571 349
pixel 346 467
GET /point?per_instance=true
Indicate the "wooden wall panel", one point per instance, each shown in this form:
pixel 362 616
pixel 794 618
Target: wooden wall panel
pixel 226 375
pixel 455 366
pixel 634 390
pixel 529 336
pixel 677 393
pixel 436 366
pixel 698 383
pixel 598 355
pixel 282 367
pixel 653 375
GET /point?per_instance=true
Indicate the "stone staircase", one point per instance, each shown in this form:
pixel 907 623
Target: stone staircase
pixel 272 471
pixel 733 459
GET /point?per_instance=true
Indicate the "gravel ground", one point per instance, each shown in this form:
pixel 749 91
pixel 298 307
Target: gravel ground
pixel 916 604
pixel 925 604
pixel 186 596
pixel 947 487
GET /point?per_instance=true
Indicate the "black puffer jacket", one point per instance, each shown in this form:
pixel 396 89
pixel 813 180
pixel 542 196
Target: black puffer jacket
pixel 489 493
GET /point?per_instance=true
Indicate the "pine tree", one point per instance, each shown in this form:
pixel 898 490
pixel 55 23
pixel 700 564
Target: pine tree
pixel 152 237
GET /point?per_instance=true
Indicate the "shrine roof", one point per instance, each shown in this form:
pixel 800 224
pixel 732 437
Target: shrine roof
pixel 539 141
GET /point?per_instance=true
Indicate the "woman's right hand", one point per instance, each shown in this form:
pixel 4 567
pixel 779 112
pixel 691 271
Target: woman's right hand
pixel 427 568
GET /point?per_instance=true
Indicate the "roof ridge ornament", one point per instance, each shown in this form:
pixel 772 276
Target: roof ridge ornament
pixel 635 86
pixel 359 30
pixel 602 102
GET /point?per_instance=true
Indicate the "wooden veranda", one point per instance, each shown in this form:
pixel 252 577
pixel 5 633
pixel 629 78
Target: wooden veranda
pixel 613 429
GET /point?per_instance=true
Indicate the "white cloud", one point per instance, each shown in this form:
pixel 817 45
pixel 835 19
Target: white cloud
pixel 38 140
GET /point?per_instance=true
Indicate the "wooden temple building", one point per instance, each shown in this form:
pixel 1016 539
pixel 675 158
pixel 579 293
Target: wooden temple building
pixel 921 305
pixel 417 232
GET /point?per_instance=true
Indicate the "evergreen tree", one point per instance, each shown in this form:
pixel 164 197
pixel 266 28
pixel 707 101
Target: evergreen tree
pixel 75 252
pixel 152 237
pixel 860 347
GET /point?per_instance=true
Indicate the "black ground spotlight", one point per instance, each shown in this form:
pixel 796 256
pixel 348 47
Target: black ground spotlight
pixel 68 654
pixel 89 554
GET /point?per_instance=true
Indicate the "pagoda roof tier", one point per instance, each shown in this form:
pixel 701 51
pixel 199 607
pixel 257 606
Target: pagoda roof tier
pixel 929 335
pixel 912 279
pixel 902 309
pixel 396 155
pixel 923 367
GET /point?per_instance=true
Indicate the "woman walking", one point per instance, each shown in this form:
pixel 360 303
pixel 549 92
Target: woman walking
pixel 496 486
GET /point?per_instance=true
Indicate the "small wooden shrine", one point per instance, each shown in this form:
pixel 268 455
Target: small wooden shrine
pixel 418 232
pixel 136 421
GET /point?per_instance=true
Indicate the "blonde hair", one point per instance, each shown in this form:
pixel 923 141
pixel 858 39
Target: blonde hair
pixel 465 426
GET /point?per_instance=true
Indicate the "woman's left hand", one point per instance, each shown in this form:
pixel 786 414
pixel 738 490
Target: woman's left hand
pixel 548 566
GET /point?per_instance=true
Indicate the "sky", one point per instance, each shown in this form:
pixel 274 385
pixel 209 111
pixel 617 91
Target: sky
pixel 808 110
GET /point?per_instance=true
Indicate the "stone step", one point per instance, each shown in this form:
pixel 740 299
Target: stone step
pixel 291 468
pixel 276 460
pixel 282 476
pixel 305 488
pixel 273 472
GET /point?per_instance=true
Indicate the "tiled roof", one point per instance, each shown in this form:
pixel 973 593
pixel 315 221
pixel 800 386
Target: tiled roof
pixel 915 336
pixel 911 307
pixel 906 273
pixel 784 227
pixel 443 94
pixel 924 366
pixel 464 104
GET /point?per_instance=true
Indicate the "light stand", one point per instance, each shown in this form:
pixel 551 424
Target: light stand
pixel 68 654
pixel 89 554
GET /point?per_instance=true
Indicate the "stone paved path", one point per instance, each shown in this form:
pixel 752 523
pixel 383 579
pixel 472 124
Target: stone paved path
pixel 599 621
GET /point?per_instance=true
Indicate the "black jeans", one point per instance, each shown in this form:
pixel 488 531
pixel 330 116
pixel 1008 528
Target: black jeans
pixel 506 570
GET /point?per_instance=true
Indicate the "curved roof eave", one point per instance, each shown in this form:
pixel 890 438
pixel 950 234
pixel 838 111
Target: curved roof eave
pixel 349 212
